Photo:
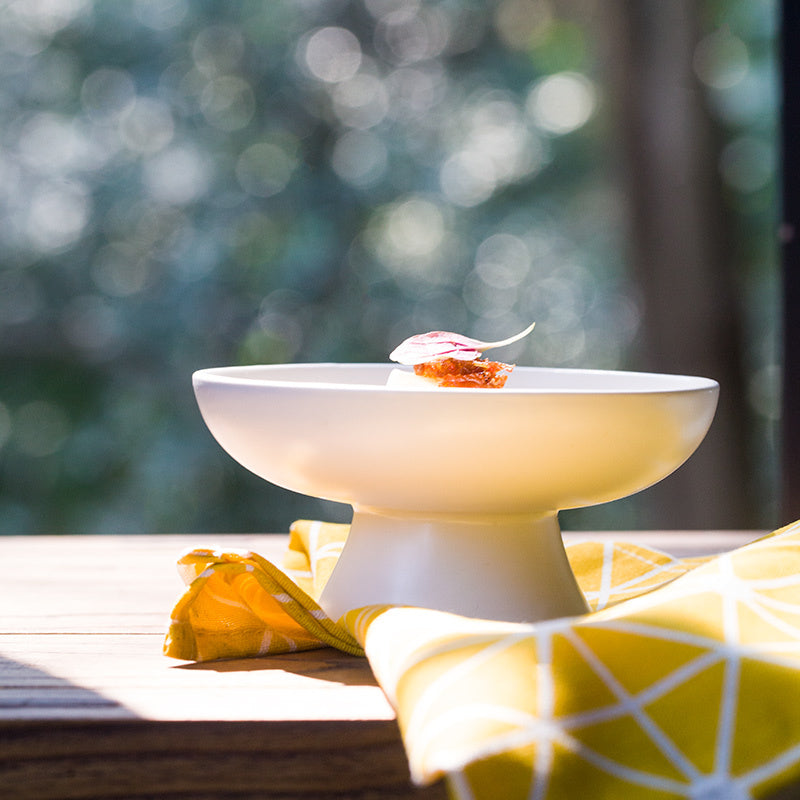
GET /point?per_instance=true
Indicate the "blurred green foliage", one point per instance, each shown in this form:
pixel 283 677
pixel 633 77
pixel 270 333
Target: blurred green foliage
pixel 188 184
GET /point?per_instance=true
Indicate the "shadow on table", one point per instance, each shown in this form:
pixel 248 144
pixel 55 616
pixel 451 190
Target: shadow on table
pixel 30 692
pixel 325 664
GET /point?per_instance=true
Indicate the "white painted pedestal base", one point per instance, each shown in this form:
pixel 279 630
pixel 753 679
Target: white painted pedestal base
pixel 510 568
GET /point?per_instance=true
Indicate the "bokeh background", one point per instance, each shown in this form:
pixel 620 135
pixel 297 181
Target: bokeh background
pixel 186 184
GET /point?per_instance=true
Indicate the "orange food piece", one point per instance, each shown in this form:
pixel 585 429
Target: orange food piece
pixel 453 372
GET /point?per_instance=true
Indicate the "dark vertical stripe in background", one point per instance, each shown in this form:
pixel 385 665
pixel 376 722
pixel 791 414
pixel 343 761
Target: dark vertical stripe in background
pixel 790 237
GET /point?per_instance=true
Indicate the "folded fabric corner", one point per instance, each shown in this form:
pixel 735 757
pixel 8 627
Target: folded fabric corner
pixel 239 605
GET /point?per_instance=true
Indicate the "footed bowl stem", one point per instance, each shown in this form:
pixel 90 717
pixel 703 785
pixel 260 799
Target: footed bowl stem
pixel 502 567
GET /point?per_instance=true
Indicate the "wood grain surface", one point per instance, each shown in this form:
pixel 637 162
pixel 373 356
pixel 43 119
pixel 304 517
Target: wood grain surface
pixel 90 709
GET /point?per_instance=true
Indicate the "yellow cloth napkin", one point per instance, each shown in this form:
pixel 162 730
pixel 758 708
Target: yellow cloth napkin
pixel 682 682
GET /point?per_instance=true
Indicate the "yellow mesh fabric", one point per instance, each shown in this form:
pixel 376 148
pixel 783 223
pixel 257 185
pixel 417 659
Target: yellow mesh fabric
pixel 682 682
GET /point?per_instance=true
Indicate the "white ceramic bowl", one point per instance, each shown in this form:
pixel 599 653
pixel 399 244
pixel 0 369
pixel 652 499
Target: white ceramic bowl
pixel 453 487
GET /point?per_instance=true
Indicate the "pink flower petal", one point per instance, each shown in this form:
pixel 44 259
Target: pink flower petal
pixel 438 345
pixel 434 346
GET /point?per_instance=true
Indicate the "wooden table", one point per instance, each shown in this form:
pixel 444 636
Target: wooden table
pixel 90 708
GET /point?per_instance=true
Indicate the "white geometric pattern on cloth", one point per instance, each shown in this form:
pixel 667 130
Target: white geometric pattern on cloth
pixel 726 643
pixel 648 569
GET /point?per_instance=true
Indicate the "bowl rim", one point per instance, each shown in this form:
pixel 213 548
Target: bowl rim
pixel 241 375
